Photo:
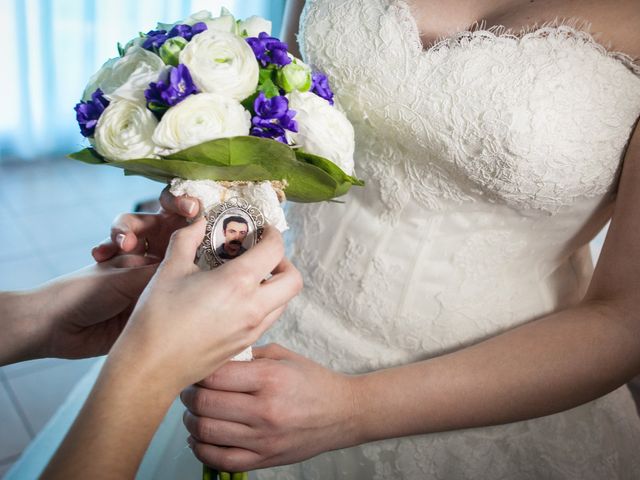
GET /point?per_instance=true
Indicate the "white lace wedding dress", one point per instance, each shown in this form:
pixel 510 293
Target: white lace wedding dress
pixel 491 161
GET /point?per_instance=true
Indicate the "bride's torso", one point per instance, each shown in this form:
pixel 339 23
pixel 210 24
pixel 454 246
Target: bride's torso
pixel 490 161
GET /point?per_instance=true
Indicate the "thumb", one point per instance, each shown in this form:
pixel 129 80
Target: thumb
pixel 184 244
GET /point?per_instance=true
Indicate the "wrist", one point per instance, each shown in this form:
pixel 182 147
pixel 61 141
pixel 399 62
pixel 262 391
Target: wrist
pixel 150 384
pixel 24 327
pixel 355 408
pixel 132 358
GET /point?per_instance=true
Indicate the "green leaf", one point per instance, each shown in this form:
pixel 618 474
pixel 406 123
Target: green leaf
pixel 267 82
pixel 88 155
pixel 269 88
pixel 247 103
pixel 265 74
pixel 328 166
pixel 310 178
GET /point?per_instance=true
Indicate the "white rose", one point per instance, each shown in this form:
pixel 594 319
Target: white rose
pixel 201 16
pixel 124 131
pixel 221 62
pixel 200 118
pixel 126 78
pixel 323 130
pixel 99 79
pixel 224 23
pixel 253 26
pixel 134 42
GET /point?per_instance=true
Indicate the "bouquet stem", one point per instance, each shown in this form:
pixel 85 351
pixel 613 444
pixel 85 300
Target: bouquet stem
pixel 209 473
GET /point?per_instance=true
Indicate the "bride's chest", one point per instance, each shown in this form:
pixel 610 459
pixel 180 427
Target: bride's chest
pixel 536 121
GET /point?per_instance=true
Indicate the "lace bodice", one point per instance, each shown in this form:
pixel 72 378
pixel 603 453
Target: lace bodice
pixel 491 160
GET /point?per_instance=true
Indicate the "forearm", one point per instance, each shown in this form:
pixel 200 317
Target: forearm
pixel 21 324
pixel 116 424
pixel 543 367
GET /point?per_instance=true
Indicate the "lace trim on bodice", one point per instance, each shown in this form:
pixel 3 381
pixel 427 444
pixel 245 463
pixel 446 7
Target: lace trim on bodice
pixel 484 114
pixel 577 30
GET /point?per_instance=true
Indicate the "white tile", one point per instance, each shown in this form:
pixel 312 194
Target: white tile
pixel 41 393
pixel 13 435
pixel 24 272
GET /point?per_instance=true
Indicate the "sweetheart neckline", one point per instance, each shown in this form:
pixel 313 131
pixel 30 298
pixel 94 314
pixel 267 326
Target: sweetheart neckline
pixel 566 28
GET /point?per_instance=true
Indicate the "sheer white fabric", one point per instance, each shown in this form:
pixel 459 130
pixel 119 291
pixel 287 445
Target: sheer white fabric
pixel 491 160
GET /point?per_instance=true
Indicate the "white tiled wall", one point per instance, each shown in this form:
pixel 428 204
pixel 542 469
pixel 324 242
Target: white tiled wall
pixel 51 214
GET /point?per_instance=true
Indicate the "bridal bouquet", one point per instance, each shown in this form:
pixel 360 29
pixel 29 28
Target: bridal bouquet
pixel 218 108
pixel 218 99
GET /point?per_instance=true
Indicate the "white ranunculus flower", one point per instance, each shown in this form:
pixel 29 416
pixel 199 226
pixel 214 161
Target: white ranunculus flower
pixel 323 130
pixel 126 78
pixel 134 42
pixel 200 118
pixel 201 16
pixel 253 26
pixel 124 131
pixel 99 79
pixel 221 62
pixel 225 22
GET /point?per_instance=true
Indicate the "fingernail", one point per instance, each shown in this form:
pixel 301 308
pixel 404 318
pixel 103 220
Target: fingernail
pixel 190 442
pixel 120 240
pixel 189 206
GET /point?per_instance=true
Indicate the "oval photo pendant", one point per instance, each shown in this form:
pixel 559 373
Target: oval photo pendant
pixel 233 227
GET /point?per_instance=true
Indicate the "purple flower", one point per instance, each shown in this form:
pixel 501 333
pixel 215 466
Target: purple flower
pixel 155 39
pixel 88 113
pixel 272 118
pixel 266 129
pixel 187 31
pixel 270 108
pixel 162 95
pixel 320 86
pixel 268 49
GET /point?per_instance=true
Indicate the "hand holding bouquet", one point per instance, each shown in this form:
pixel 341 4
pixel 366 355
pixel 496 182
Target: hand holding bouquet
pixel 221 110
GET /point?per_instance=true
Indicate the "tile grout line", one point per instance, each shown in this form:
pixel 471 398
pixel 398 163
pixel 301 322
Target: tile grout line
pixel 16 404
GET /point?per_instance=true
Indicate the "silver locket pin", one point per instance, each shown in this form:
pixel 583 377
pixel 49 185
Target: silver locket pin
pixel 233 227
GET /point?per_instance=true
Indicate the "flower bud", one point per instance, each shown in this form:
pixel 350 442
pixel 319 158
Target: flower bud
pixel 295 76
pixel 170 50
